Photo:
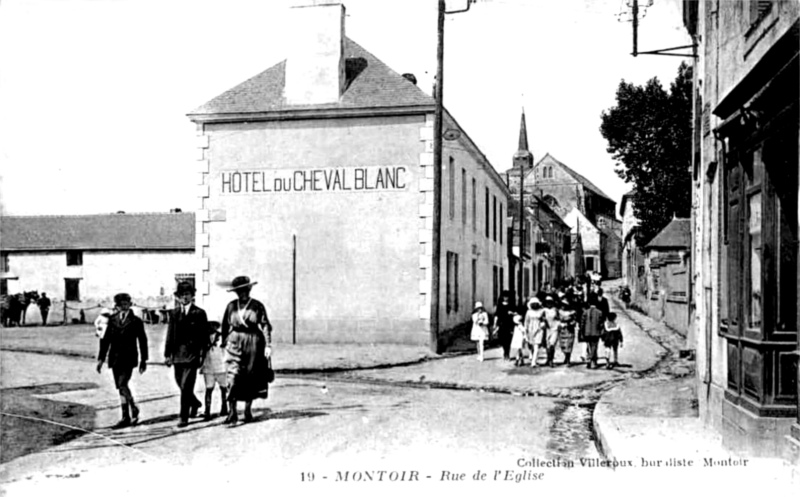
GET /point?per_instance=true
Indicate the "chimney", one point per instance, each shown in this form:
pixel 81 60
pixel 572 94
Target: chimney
pixel 315 66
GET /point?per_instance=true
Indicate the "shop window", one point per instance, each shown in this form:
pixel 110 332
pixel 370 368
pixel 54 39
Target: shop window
pixel 74 258
pixel 72 291
pixel 759 266
pixel 4 266
pixel 3 286
pixel 452 282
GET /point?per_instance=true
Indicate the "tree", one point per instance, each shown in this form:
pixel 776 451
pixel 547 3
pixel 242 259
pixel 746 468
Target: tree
pixel 649 134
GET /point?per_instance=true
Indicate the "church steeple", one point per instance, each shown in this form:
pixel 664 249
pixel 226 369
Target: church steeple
pixel 523 158
pixel 523 134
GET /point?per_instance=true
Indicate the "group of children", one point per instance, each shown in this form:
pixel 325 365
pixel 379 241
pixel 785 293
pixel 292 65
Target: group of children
pixel 550 324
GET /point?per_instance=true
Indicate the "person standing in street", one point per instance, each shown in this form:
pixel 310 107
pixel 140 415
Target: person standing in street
pixel 186 342
pixel 44 307
pixel 480 327
pixel 125 345
pixel 593 329
pixel 247 339
pixel 504 323
pixel 566 330
pixel 213 370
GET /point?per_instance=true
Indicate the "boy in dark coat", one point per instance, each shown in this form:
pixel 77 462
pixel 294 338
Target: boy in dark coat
pixel 186 343
pixel 592 323
pixel 124 333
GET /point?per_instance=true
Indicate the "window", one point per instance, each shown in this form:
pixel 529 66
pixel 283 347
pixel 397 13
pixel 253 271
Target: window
pixel 3 286
pixel 501 278
pixel 184 277
pixel 759 266
pixel 526 283
pixel 72 290
pixel 590 263
pixel 463 197
pixel 474 205
pixel 501 223
pixel 74 258
pixel 452 177
pixel 494 219
pixel 759 9
pixel 4 267
pixel 452 282
pixel 474 280
pixel 486 213
pixel 494 284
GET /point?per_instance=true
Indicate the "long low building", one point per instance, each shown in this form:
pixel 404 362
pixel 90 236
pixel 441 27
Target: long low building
pixel 85 260
pixel 317 181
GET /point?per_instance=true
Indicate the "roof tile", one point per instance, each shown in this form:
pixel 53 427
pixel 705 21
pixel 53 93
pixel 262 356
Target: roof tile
pixel 142 231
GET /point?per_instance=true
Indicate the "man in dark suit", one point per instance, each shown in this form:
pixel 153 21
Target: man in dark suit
pixel 119 343
pixel 187 340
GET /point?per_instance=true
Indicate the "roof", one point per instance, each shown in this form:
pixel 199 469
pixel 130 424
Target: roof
pixel 142 231
pixel 371 84
pixel 677 234
pixel 580 178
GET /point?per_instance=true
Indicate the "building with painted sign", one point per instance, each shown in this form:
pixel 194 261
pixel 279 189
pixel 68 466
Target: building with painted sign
pixel 316 180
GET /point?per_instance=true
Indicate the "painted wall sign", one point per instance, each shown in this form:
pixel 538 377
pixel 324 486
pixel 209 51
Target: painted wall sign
pixel 337 179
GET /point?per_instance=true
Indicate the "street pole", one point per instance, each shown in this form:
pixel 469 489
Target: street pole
pixel 294 289
pixel 437 183
pixel 521 232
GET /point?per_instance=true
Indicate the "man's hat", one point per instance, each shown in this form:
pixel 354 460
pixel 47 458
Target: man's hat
pixel 183 287
pixel 121 297
pixel 478 305
pixel 241 282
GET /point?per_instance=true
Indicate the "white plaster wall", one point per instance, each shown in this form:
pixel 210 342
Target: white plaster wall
pixel 146 275
pixel 358 253
pixel 459 237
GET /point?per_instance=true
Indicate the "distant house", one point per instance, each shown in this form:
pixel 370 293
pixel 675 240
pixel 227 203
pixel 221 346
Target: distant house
pixel 632 257
pixel 87 259
pixel 667 271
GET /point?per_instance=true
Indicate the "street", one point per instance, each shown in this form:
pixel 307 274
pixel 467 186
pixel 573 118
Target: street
pixel 307 422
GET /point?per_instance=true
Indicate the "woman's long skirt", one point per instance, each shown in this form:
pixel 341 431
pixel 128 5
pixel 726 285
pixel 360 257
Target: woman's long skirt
pixel 566 337
pixel 246 366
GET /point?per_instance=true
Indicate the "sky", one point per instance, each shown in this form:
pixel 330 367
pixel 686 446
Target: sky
pixel 94 93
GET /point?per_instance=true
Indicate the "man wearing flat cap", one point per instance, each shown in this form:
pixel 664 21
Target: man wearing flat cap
pixel 186 343
pixel 119 343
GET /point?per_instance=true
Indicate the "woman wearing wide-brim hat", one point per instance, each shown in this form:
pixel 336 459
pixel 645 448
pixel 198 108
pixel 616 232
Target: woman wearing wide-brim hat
pixel 247 339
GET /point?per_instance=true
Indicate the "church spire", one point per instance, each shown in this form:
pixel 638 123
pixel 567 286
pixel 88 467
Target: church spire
pixel 523 158
pixel 523 134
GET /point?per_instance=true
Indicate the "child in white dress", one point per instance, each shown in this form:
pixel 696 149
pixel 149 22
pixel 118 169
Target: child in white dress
pixel 213 371
pixel 480 327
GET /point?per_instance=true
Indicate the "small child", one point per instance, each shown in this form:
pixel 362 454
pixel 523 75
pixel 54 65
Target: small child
pixel 213 371
pixel 101 323
pixel 518 339
pixel 612 339
pixel 480 327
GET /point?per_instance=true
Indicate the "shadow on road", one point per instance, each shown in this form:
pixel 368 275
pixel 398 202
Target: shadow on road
pixel 30 423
